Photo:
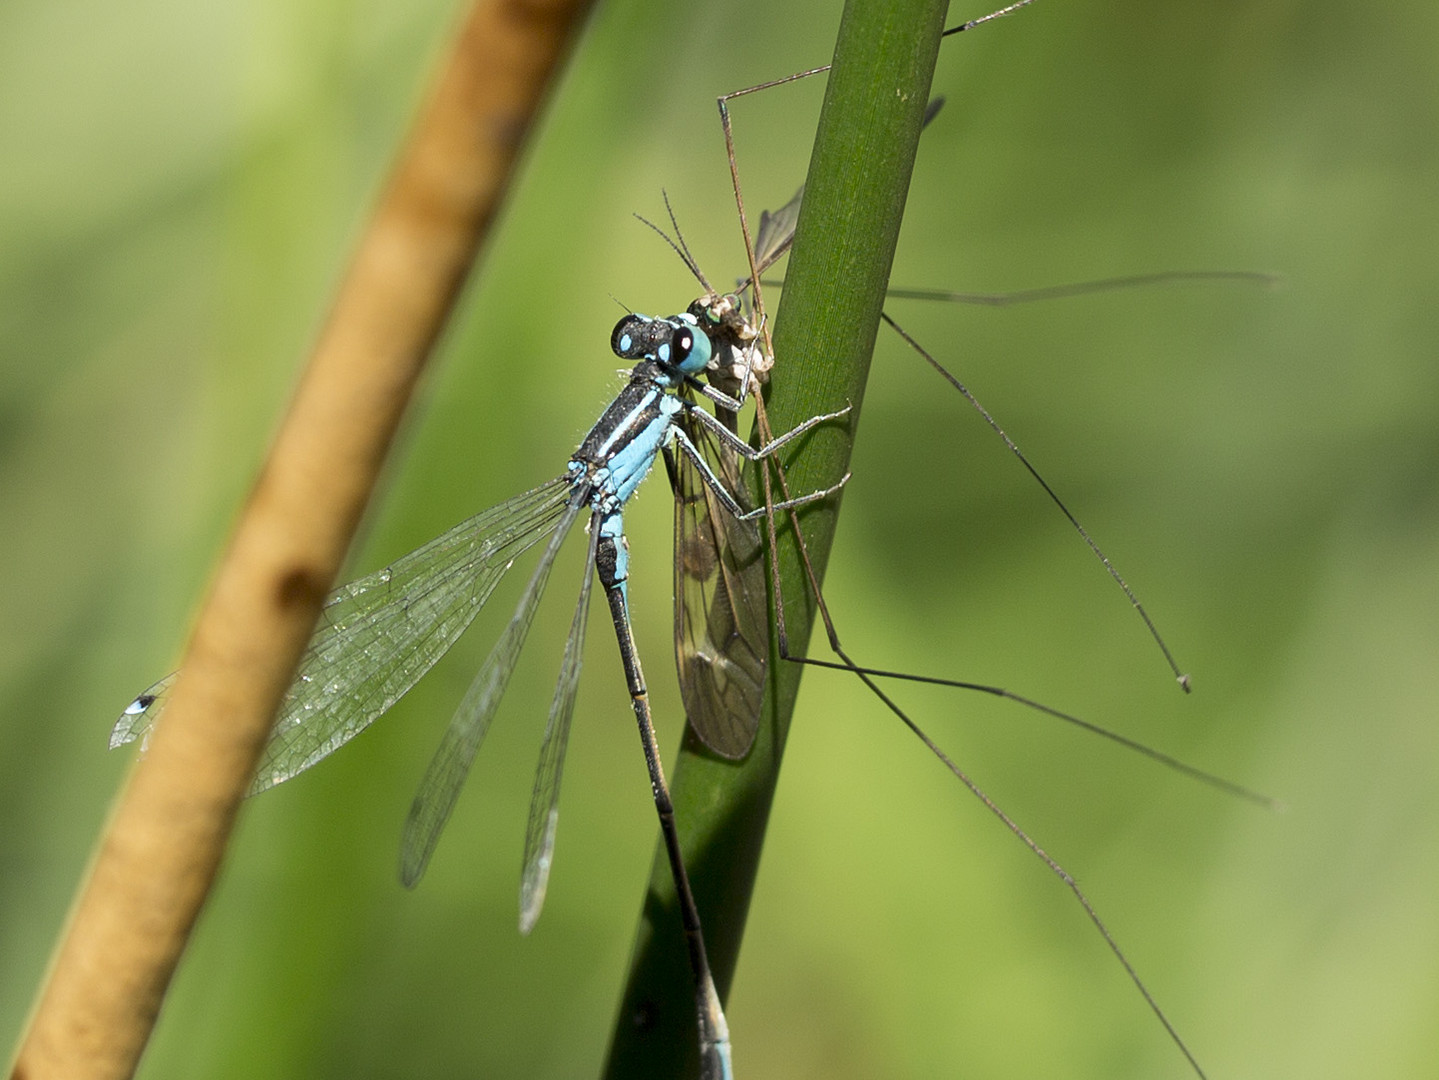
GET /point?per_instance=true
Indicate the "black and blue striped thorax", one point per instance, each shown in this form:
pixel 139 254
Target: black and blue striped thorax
pixel 620 449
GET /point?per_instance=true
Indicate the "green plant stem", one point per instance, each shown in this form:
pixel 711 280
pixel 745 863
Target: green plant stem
pixel 825 332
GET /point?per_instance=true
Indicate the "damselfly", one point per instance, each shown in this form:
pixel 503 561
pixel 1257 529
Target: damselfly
pixel 380 634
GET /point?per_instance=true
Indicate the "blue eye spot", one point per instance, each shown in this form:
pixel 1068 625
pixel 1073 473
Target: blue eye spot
pixel 664 353
pixel 625 343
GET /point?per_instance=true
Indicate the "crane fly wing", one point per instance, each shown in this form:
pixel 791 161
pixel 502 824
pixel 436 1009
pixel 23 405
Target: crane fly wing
pixel 721 622
pixel 776 232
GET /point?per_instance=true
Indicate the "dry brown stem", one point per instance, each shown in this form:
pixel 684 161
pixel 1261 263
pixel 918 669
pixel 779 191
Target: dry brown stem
pixel 162 847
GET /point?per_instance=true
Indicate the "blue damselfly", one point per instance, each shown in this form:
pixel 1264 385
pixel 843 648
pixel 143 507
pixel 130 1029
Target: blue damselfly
pixel 380 634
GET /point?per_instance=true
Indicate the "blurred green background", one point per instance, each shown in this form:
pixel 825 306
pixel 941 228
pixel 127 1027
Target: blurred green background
pixel 181 186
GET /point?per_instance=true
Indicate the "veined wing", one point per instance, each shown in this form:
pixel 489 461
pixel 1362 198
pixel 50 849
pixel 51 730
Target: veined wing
pixel 545 798
pixel 776 232
pixel 721 621
pixel 378 635
pixel 440 788
pixel 139 716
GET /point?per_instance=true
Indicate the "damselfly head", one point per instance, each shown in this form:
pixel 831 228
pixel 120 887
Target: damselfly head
pixel 676 343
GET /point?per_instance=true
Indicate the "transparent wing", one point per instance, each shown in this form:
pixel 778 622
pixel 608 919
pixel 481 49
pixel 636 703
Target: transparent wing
pixel 545 800
pixel 721 620
pixel 776 232
pixel 451 764
pixel 378 635
pixel 139 716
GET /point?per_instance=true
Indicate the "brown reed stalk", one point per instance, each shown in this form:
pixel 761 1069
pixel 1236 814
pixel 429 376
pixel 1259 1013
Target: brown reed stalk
pixel 160 851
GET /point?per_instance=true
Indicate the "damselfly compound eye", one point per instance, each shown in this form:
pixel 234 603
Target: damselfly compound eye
pixel 681 345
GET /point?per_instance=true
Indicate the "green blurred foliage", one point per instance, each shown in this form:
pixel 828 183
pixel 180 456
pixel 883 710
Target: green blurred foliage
pixel 181 187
